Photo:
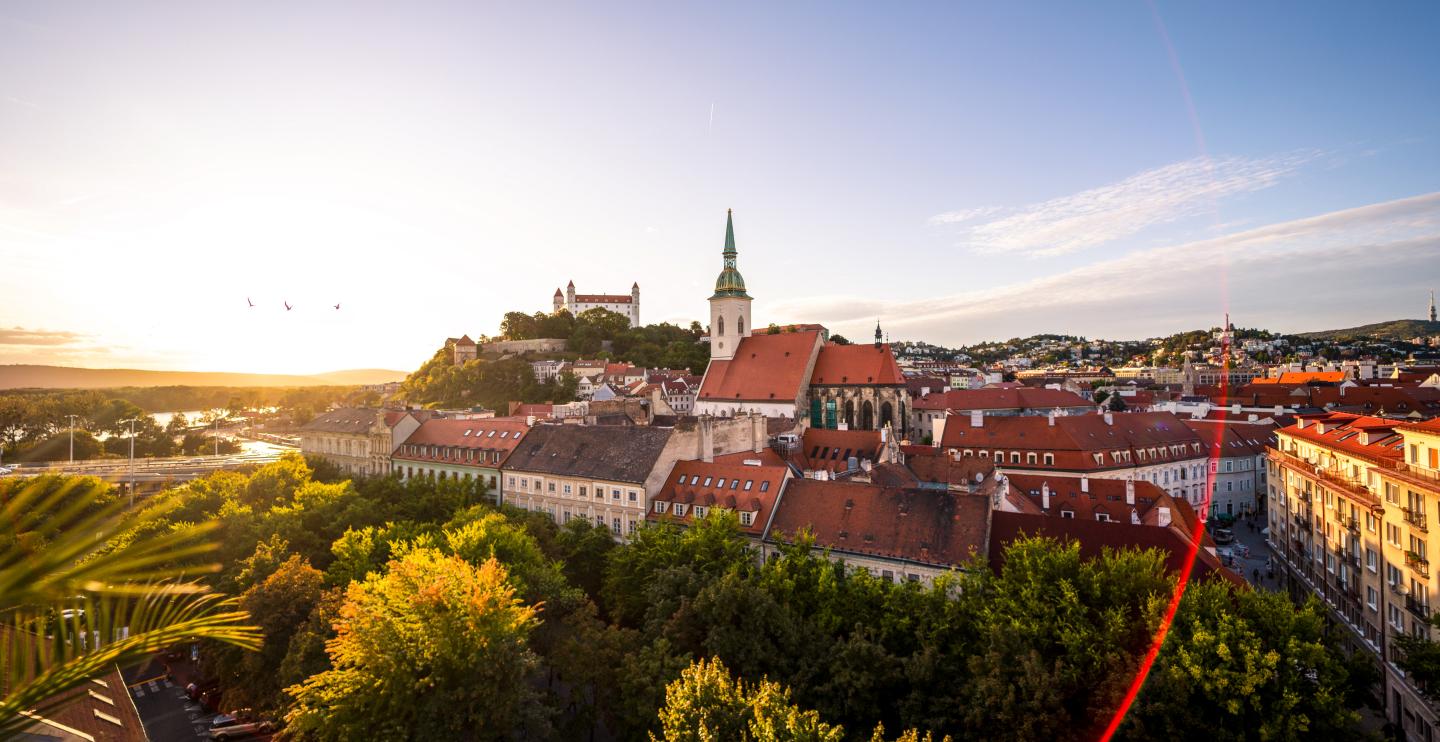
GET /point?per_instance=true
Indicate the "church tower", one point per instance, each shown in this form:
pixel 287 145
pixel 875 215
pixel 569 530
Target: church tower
pixel 730 305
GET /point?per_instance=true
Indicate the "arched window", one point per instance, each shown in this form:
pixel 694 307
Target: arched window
pixel 720 322
pixel 741 328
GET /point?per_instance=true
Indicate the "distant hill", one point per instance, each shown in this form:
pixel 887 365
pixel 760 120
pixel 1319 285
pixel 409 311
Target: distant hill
pixel 64 377
pixel 1400 329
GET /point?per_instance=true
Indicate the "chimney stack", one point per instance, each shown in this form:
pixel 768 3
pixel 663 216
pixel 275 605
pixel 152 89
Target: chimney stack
pixel 977 418
pixel 757 433
pixel 1045 496
pixel 1129 491
pixel 1109 418
pixel 1084 483
pixel 1051 416
pixel 707 438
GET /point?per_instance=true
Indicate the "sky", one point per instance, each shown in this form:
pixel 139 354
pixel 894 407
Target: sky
pixel 957 171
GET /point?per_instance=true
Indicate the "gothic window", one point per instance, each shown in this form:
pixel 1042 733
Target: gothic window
pixel 867 416
pixel 741 328
pixel 720 322
pixel 886 414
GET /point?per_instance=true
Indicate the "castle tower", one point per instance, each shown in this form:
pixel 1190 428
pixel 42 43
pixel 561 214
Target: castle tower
pixel 559 301
pixel 570 297
pixel 730 305
pixel 635 304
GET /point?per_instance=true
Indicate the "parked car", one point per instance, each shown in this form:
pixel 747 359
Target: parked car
pixel 1223 536
pixel 5 470
pixel 243 729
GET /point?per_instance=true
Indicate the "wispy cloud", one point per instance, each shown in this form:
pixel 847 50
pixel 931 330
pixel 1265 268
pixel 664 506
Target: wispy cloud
pixel 22 336
pixel 1100 215
pixel 1381 247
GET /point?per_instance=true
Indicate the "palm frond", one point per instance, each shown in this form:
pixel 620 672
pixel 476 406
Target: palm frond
pixel 83 588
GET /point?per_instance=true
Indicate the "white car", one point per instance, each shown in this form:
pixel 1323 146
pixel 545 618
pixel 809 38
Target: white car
pixel 5 470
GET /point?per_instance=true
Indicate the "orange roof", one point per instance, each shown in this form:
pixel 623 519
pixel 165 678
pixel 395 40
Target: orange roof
pixel 728 483
pixel 602 299
pixel 765 368
pixel 1340 431
pixel 1304 377
pixel 1002 399
pixel 821 448
pixel 853 365
pixel 1075 439
pixel 450 437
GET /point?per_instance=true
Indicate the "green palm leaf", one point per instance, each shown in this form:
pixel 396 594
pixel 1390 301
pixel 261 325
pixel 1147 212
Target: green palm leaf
pixel 80 591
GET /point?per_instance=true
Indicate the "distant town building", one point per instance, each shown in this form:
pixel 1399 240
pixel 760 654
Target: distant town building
pixel 358 440
pixel 466 448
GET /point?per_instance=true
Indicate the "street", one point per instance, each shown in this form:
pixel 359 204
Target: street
pixel 1259 552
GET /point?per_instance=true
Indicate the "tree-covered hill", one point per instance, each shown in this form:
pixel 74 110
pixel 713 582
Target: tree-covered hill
pixel 1400 329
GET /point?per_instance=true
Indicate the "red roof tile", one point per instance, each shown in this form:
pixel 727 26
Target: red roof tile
pixel 765 368
pixel 484 434
pixel 726 482
pixel 929 526
pixel 853 365
pixel 1074 439
pixel 1001 399
pixel 821 448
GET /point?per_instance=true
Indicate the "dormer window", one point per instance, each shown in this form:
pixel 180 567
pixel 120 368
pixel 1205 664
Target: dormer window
pixel 660 506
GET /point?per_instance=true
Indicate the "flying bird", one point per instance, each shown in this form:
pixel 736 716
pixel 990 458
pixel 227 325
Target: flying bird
pixel 337 306
pixel 287 306
pixel 247 301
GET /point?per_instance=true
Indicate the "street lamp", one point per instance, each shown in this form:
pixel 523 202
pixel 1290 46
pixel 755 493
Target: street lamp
pixel 217 436
pixel 132 459
pixel 72 439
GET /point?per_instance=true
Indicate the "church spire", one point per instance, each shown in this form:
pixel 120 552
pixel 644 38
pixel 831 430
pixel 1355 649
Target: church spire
pixel 877 332
pixel 730 283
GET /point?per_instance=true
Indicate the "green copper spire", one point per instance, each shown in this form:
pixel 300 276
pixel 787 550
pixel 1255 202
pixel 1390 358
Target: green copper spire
pixel 730 283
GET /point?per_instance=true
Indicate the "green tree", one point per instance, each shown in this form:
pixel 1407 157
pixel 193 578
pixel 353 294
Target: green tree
pixel 280 604
pixel 433 649
pixel 707 705
pixel 72 567
pixel 1244 664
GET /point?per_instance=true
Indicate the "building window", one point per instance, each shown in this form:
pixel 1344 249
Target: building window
pixel 550 486
pixel 632 495
pixel 615 494
pixel 660 506
pixel 615 526
pixel 699 512
pixel 1030 458
pixel 747 518
pixel 1370 597
pixel 1049 459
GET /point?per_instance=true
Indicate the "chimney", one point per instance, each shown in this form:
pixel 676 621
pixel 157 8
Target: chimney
pixel 1045 496
pixel 1051 416
pixel 707 438
pixel 1134 516
pixel 1252 417
pixel 529 421
pixel 1164 517
pixel 1084 483
pixel 757 433
pixel 1109 418
pixel 977 418
pixel 1129 491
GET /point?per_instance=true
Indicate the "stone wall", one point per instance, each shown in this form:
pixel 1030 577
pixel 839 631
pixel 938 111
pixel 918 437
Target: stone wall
pixel 538 345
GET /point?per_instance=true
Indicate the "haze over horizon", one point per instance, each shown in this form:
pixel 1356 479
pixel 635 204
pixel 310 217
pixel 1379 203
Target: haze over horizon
pixel 961 173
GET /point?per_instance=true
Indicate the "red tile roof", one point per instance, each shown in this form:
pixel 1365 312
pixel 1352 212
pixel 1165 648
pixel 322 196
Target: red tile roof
pixel 939 468
pixel 856 365
pixel 726 483
pixel 1304 377
pixel 1014 398
pixel 452 437
pixel 1341 431
pixel 927 526
pixel 765 368
pixel 1104 496
pixel 1074 439
pixel 1226 439
pixel 829 450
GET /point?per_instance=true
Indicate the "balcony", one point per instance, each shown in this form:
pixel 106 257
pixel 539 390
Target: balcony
pixel 1417 564
pixel 1416 518
pixel 1332 478
pixel 1352 525
pixel 1414 473
pixel 1416 607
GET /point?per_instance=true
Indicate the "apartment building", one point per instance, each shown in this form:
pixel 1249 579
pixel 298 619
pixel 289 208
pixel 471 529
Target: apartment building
pixel 1349 504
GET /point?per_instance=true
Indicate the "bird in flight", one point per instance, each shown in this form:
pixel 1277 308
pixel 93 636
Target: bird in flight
pixel 247 301
pixel 287 306
pixel 337 306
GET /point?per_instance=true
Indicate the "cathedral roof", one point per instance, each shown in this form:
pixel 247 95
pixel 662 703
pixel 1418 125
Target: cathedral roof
pixel 855 365
pixel 765 368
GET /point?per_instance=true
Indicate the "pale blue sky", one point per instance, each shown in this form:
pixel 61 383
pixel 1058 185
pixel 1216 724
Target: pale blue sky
pixel 964 171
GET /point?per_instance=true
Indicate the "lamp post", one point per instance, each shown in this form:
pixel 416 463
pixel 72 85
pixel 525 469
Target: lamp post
pixel 72 439
pixel 217 437
pixel 132 459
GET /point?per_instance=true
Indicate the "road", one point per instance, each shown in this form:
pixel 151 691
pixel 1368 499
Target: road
pixel 160 469
pixel 1259 552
